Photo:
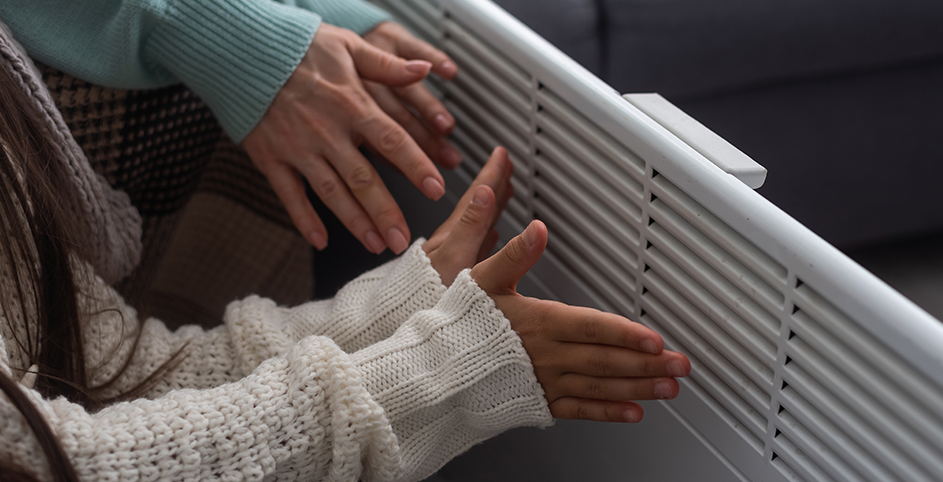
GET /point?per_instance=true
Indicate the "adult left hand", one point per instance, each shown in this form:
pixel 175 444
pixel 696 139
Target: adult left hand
pixel 413 106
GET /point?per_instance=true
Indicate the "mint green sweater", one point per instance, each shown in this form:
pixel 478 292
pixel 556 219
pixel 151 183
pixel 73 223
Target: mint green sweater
pixel 234 54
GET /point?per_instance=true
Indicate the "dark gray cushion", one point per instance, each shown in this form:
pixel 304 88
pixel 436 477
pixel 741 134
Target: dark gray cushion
pixel 683 48
pixel 571 25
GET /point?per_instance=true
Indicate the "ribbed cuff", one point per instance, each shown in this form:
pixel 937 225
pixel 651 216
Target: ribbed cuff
pixel 452 377
pixel 355 15
pixel 235 55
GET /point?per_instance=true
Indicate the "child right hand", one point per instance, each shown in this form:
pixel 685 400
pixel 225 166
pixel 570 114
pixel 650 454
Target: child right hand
pixel 591 364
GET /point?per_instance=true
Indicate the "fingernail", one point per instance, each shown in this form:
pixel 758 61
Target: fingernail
pixel 449 67
pixel 675 368
pixel 650 346
pixel 317 240
pixel 629 416
pixel 662 390
pixel 374 242
pixel 418 66
pixel 396 240
pixel 450 157
pixel 433 188
pixel 530 235
pixel 442 122
pixel 481 197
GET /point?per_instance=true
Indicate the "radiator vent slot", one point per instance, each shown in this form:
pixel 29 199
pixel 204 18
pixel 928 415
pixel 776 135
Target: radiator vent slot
pixel 853 393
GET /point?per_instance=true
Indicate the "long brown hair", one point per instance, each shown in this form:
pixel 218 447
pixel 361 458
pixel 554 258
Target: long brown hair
pixel 39 245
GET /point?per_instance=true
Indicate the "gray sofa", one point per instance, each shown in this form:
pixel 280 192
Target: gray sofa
pixel 842 100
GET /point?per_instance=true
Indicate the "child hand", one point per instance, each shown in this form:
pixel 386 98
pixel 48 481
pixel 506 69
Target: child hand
pixel 468 235
pixel 590 363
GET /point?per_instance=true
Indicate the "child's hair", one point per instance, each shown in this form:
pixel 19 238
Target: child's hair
pixel 39 287
pixel 41 241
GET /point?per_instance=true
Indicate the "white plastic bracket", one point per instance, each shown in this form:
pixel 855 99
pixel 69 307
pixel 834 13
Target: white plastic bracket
pixel 703 140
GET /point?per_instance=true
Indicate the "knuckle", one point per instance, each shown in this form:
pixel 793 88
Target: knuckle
pixel 392 139
pixel 353 101
pixel 601 365
pixel 473 217
pixel 589 329
pixel 515 252
pixel 582 411
pixel 327 188
pixel 637 391
pixel 360 177
pixel 387 63
pixel 594 389
pixel 389 213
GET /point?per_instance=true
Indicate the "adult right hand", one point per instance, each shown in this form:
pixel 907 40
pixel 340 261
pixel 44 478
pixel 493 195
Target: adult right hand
pixel 591 364
pixel 314 127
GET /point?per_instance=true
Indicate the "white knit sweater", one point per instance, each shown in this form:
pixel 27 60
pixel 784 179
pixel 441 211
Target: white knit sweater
pixel 387 381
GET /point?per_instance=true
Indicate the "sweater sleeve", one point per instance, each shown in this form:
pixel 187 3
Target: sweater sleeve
pixel 447 378
pixel 366 310
pixel 357 15
pixel 234 54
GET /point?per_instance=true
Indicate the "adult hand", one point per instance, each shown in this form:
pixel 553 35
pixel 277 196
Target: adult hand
pixel 468 235
pixel 314 126
pixel 413 106
pixel 591 364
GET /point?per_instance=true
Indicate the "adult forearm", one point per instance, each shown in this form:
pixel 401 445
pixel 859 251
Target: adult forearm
pixel 234 54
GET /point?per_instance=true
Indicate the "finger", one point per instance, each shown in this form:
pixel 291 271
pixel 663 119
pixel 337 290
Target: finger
pixel 414 48
pixel 291 191
pixel 487 246
pixel 371 194
pixel 496 174
pixel 431 143
pixel 466 238
pixel 596 410
pixel 331 189
pixel 394 143
pixel 586 325
pixel 609 361
pixel 500 273
pixel 375 64
pixel 431 109
pixel 613 389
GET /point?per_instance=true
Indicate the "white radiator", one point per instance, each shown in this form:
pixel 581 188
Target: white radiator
pixel 805 366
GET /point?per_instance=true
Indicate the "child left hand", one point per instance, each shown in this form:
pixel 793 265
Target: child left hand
pixel 468 235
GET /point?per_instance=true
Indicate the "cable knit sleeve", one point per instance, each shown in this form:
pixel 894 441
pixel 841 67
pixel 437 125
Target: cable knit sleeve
pixel 366 310
pixel 451 374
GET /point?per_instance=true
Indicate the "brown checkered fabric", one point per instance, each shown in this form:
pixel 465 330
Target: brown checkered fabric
pixel 213 229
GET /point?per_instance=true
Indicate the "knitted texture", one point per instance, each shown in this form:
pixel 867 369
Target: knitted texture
pixel 113 225
pixel 356 15
pixel 235 54
pixel 260 398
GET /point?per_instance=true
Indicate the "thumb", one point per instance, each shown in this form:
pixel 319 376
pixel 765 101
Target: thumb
pixel 380 66
pixel 500 273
